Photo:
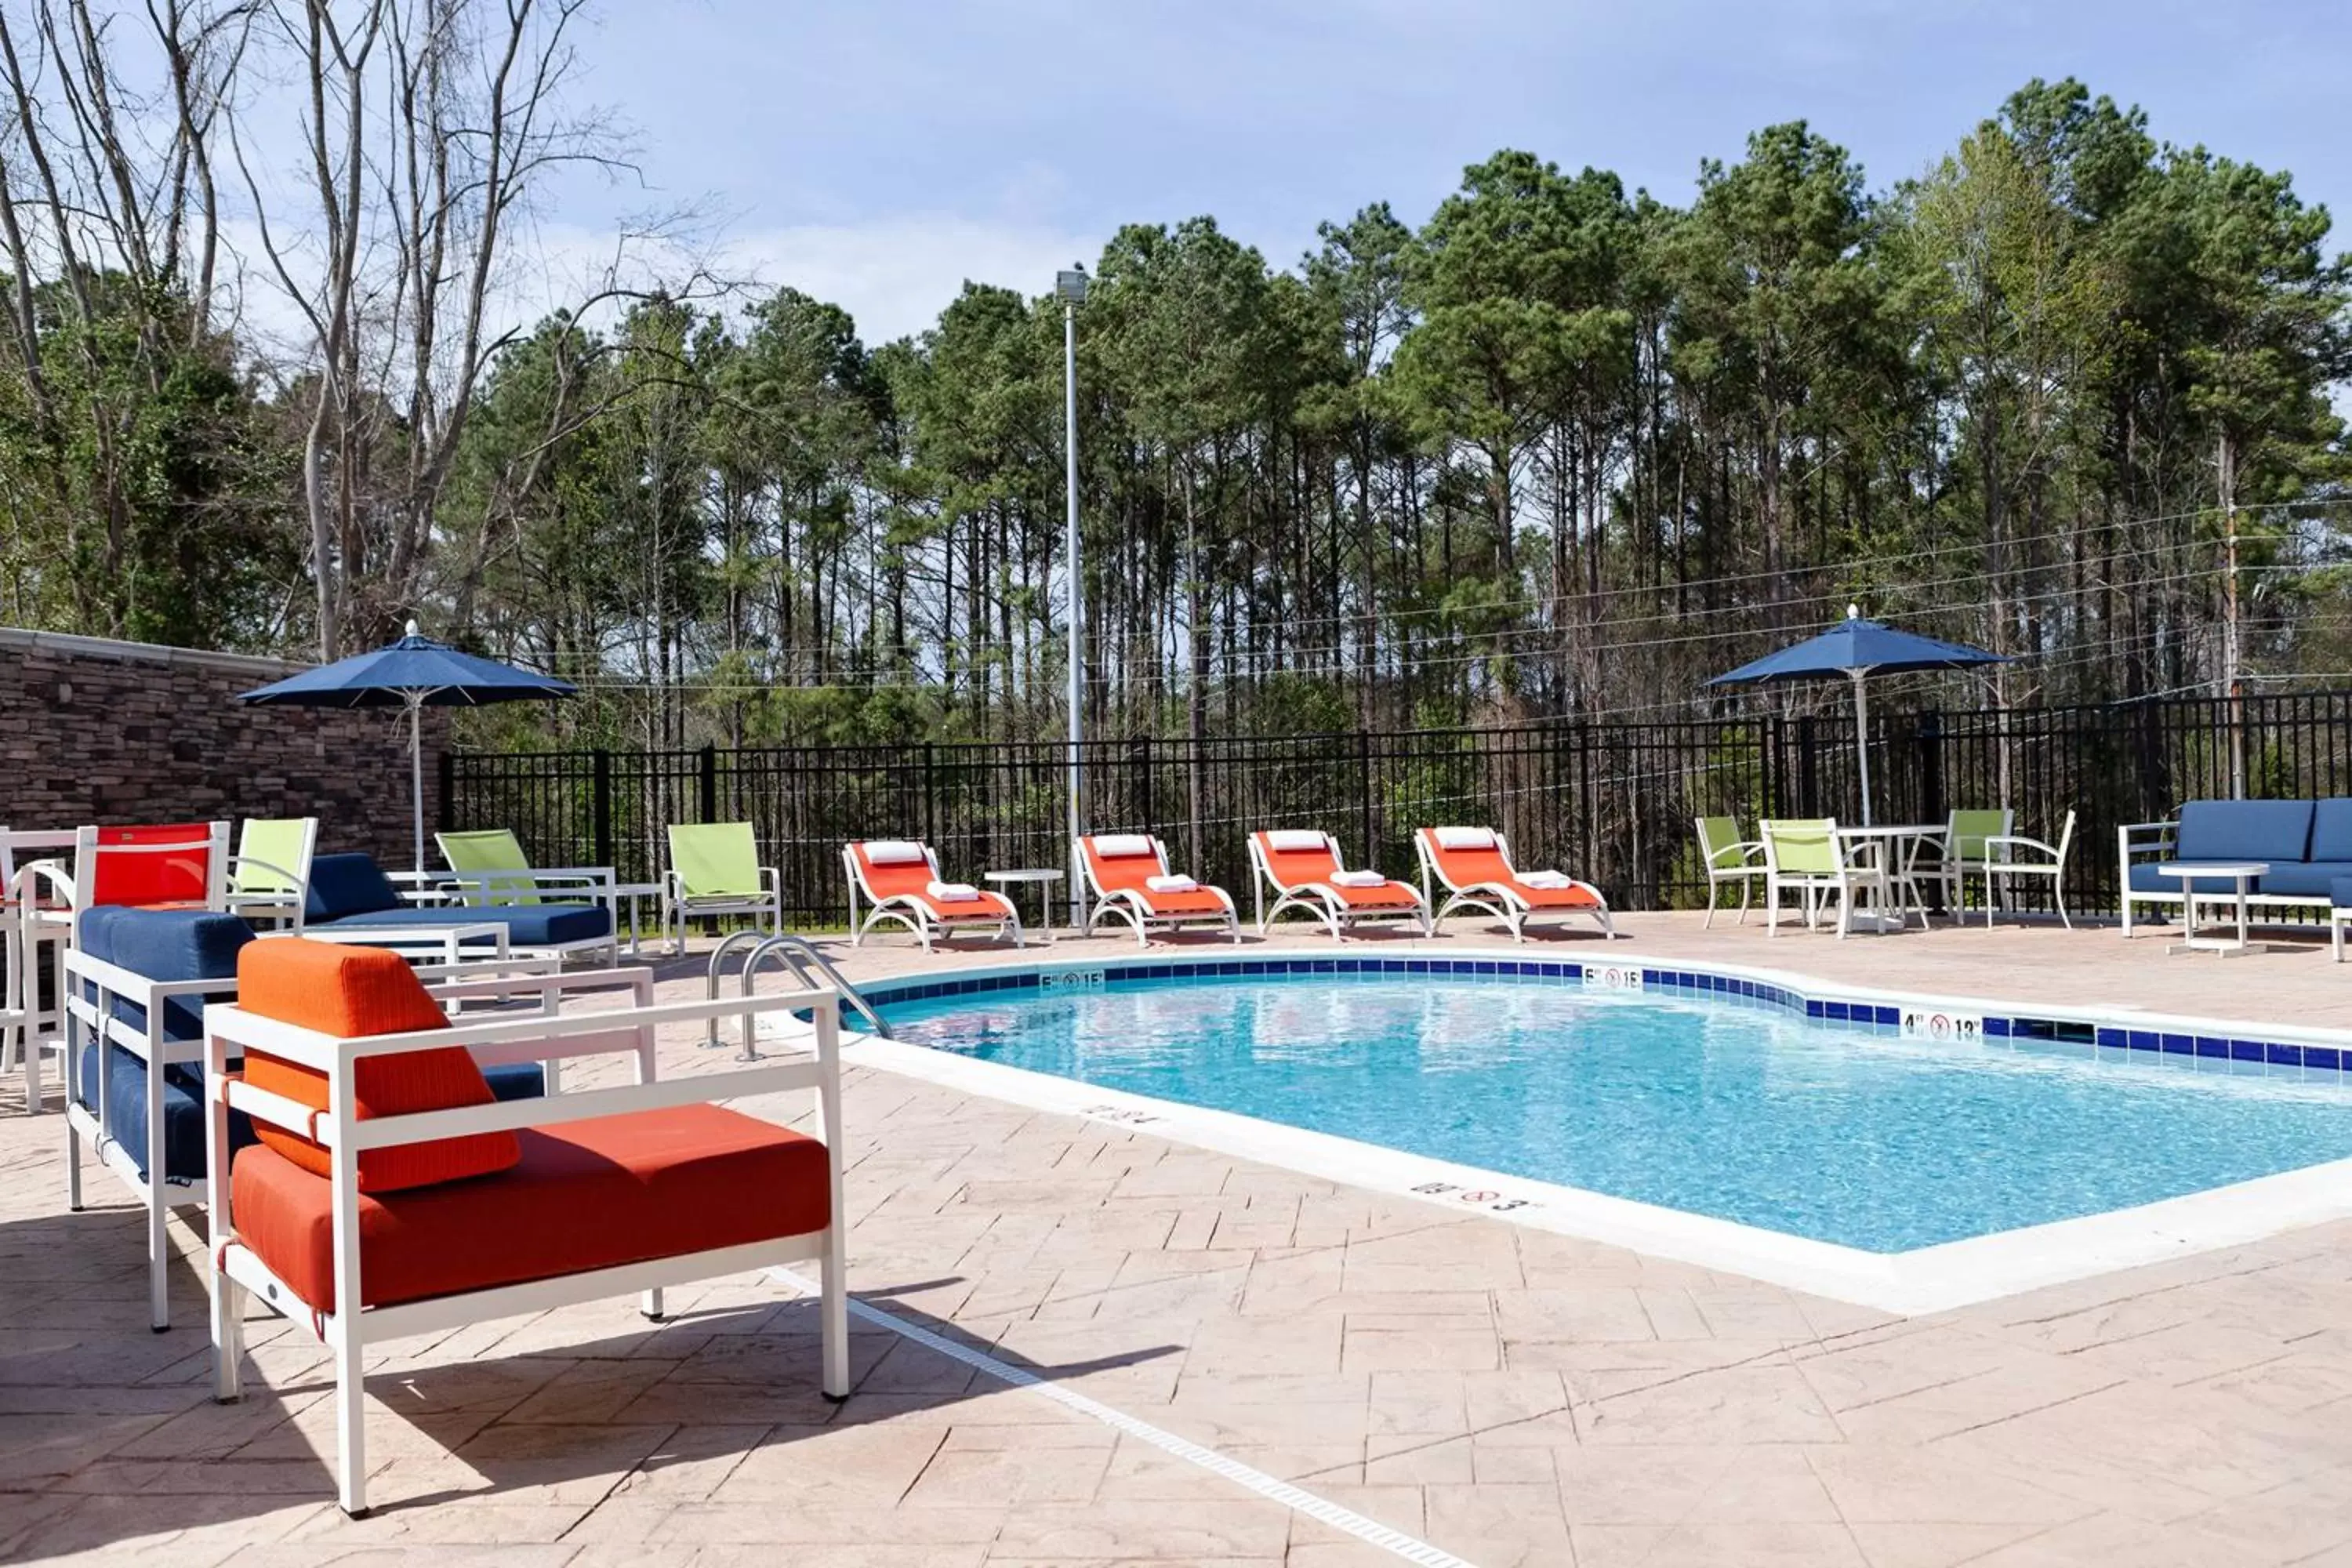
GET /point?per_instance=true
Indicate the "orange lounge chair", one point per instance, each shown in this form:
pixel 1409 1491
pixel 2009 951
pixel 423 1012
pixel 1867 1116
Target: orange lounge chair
pixel 1128 875
pixel 900 879
pixel 1473 864
pixel 391 1194
pixel 1302 866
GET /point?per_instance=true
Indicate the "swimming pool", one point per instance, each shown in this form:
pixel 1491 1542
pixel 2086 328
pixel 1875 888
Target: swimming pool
pixel 1731 1109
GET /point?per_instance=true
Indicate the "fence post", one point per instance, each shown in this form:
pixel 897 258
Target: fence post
pixel 1364 776
pixel 1930 742
pixel 1808 782
pixel 707 767
pixel 602 806
pixel 931 779
pixel 1150 823
pixel 1584 791
pixel 447 766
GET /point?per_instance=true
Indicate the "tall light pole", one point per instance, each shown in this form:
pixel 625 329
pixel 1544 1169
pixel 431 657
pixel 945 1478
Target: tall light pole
pixel 1071 286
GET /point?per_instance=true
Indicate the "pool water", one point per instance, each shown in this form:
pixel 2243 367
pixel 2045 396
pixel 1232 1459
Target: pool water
pixel 1727 1108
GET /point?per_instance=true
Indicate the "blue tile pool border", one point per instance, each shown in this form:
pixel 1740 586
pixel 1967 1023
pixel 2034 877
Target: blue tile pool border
pixel 2017 1029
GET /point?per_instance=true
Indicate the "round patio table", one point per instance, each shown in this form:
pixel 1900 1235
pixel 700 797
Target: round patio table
pixel 2242 873
pixel 1045 876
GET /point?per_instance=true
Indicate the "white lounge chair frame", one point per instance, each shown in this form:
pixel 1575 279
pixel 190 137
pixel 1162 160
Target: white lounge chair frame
pixel 1498 900
pixel 1127 904
pixel 913 913
pixel 1322 902
pixel 88 1017
pixel 347 1332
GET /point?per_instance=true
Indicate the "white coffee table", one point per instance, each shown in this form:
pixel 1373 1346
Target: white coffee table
pixel 2239 872
pixel 1045 876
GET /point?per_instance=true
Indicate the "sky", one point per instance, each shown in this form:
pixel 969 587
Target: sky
pixel 877 153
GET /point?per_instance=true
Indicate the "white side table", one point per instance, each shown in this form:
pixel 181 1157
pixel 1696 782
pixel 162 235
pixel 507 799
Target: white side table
pixel 2239 872
pixel 1045 876
pixel 629 893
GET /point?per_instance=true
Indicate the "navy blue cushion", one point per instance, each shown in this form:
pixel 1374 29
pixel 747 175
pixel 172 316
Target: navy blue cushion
pixel 2302 879
pixel 527 925
pixel 166 944
pixel 344 885
pixel 2243 830
pixel 184 1112
pixel 2339 892
pixel 2143 879
pixel 517 1080
pixel 2331 830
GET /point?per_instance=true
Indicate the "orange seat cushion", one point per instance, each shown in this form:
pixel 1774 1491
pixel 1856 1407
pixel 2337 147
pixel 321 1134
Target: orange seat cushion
pixel 350 993
pixel 1199 902
pixel 585 1196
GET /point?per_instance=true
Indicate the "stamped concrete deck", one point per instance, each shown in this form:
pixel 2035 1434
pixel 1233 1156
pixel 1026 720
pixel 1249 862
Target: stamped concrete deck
pixel 1509 1395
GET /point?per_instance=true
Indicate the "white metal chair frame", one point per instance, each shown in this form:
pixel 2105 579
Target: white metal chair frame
pixel 1951 870
pixel 1845 881
pixel 239 1273
pixel 913 913
pixel 95 985
pixel 678 906
pixel 1498 900
pixel 284 907
pixel 1323 902
pixel 36 900
pixel 214 844
pixel 1744 872
pixel 2005 867
pixel 1125 903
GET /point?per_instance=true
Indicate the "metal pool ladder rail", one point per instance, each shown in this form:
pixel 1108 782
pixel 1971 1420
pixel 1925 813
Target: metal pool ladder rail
pixel 808 965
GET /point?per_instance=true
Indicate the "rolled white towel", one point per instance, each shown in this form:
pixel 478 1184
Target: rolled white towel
pixel 1120 846
pixel 1286 839
pixel 1465 839
pixel 1358 879
pixel 954 892
pixel 1171 884
pixel 1552 879
pixel 893 852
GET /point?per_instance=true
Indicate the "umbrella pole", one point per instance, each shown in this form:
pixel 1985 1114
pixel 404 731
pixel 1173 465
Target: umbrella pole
pixel 1862 741
pixel 417 776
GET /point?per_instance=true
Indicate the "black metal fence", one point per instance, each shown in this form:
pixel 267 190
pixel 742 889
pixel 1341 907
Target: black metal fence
pixel 1609 802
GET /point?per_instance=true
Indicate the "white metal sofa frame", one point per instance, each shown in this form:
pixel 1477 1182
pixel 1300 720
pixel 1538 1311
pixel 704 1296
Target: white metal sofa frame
pixel 347 1332
pixel 1494 898
pixel 2155 838
pixel 87 1017
pixel 1319 901
pixel 912 913
pixel 1125 903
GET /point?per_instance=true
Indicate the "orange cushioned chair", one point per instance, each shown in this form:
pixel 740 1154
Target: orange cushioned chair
pixel 1128 874
pixel 1473 865
pixel 392 1194
pixel 1302 868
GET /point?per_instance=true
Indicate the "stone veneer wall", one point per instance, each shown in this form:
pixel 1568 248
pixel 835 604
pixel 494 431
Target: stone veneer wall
pixel 94 731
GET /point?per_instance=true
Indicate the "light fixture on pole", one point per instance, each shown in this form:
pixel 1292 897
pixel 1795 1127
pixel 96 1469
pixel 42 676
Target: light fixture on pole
pixel 1071 288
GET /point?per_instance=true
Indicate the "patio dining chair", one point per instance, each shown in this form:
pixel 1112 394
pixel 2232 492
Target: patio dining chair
pixel 269 875
pixel 1804 856
pixel 1727 857
pixel 2000 861
pixel 714 870
pixel 1963 852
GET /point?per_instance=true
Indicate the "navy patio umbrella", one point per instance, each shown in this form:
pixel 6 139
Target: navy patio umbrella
pixel 1855 648
pixel 414 673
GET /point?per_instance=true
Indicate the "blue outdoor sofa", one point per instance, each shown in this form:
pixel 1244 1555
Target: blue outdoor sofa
pixel 2307 844
pixel 144 976
pixel 349 894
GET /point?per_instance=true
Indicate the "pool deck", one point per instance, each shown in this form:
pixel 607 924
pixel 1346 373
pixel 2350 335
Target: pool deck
pixel 1505 1394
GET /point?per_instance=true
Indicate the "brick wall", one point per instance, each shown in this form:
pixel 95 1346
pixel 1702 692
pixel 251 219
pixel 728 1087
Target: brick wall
pixel 92 730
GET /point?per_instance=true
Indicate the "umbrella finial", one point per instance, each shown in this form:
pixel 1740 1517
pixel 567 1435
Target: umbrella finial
pixel 1852 613
pixel 412 626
